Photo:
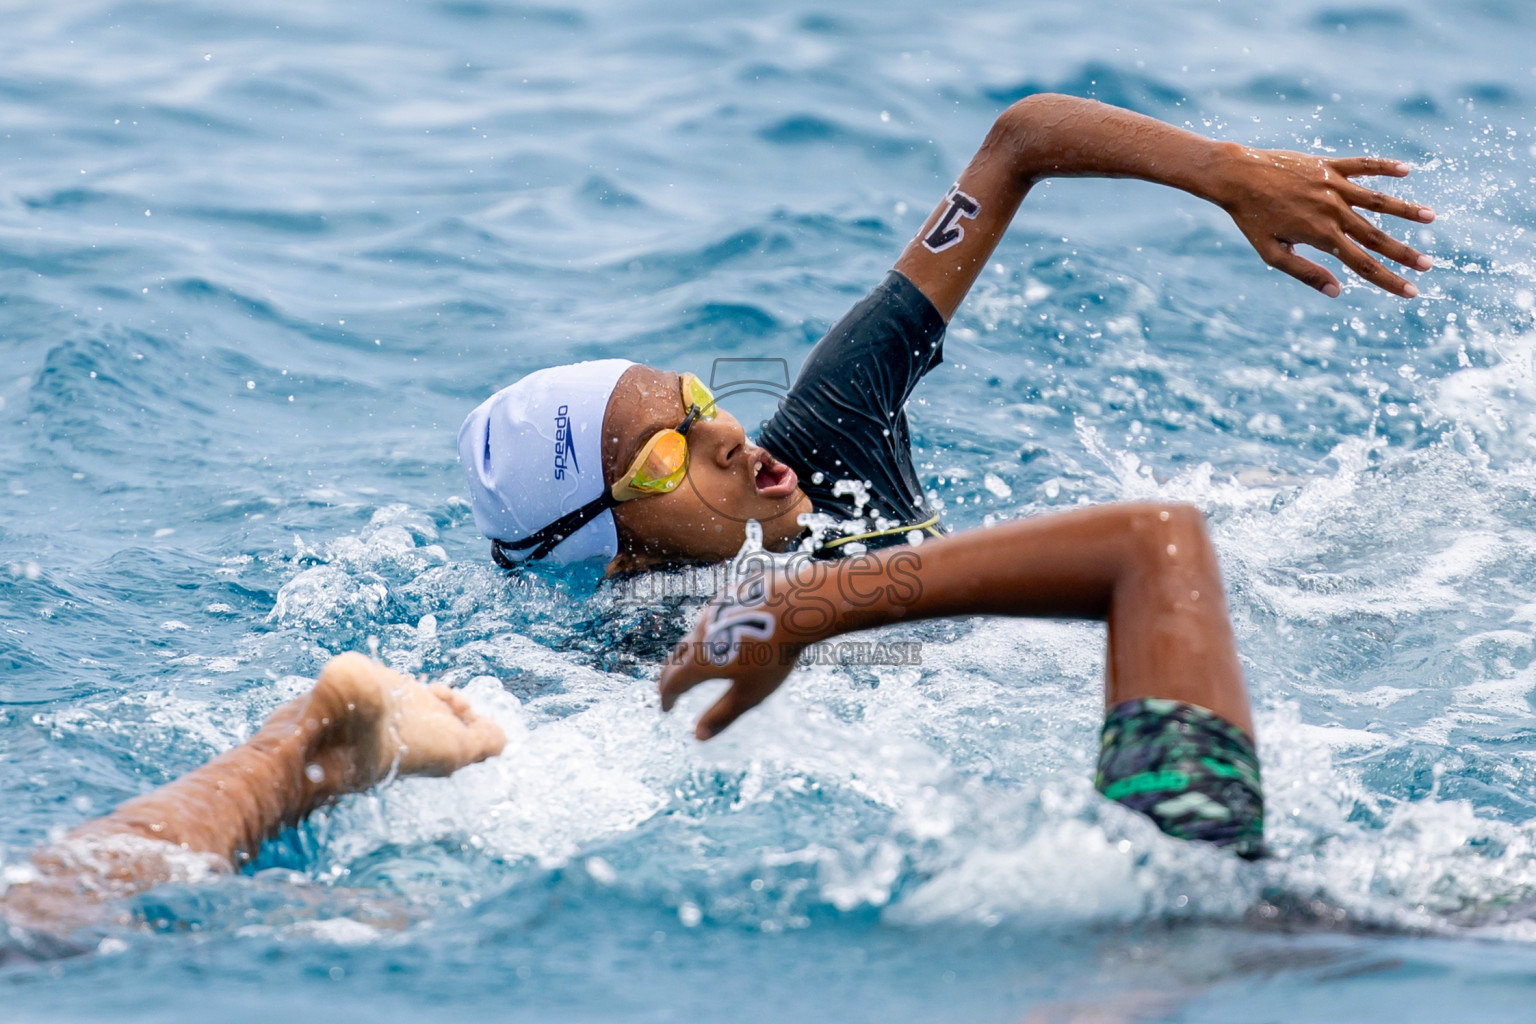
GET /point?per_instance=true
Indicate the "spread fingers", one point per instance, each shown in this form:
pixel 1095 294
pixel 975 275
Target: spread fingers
pixel 1377 240
pixel 680 675
pixel 1356 259
pixel 1353 166
pixel 1284 258
pixel 1380 202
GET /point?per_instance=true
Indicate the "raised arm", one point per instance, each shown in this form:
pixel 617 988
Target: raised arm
pixel 1278 199
pixel 1149 571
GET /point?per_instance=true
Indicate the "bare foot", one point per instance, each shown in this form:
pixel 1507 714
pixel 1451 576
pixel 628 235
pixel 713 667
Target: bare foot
pixel 375 721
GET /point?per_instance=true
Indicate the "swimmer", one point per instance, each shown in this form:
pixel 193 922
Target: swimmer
pixel 360 723
pixel 637 466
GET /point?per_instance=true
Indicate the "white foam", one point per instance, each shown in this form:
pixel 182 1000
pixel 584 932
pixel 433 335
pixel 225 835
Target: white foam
pixel 339 931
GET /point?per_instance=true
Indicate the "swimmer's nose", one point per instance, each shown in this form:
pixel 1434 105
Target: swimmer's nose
pixel 727 442
pixel 750 459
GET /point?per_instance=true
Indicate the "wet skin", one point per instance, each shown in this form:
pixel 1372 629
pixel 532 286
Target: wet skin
pixel 1149 572
pixel 360 723
pixel 1279 200
pixel 729 481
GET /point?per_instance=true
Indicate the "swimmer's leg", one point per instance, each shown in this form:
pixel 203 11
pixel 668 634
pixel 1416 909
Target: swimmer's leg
pixel 361 722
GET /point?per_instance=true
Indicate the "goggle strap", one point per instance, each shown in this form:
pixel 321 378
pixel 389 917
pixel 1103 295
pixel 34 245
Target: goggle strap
pixel 546 540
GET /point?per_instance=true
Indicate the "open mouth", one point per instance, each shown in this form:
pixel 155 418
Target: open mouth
pixel 773 478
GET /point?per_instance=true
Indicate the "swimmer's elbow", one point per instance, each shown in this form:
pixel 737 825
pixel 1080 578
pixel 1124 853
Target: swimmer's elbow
pixel 1038 104
pixel 1033 130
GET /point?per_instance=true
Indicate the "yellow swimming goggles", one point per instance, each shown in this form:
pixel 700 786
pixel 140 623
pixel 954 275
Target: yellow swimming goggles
pixel 659 468
pixel 663 462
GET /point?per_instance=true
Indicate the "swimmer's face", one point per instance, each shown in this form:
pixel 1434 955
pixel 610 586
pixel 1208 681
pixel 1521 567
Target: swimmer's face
pixel 729 481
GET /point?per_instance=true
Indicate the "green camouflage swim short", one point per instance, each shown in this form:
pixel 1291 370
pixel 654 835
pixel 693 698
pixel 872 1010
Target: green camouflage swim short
pixel 1193 773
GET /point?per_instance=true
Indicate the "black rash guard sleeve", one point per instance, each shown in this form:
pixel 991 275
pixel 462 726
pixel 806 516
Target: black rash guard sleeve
pixel 845 418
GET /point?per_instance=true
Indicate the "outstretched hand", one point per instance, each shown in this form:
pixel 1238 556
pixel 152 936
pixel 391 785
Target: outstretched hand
pixel 737 637
pixel 1281 199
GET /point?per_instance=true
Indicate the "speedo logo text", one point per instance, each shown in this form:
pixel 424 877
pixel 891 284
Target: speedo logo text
pixel 565 443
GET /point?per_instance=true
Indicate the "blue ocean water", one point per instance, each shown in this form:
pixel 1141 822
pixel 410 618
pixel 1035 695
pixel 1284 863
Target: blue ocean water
pixel 257 262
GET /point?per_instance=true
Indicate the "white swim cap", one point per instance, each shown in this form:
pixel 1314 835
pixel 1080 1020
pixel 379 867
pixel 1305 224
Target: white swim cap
pixel 533 452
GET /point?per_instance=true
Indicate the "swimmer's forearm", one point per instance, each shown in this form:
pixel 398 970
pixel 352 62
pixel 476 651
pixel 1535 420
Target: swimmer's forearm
pixel 1278 199
pixel 1049 135
pixel 1149 571
pixel 230 805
